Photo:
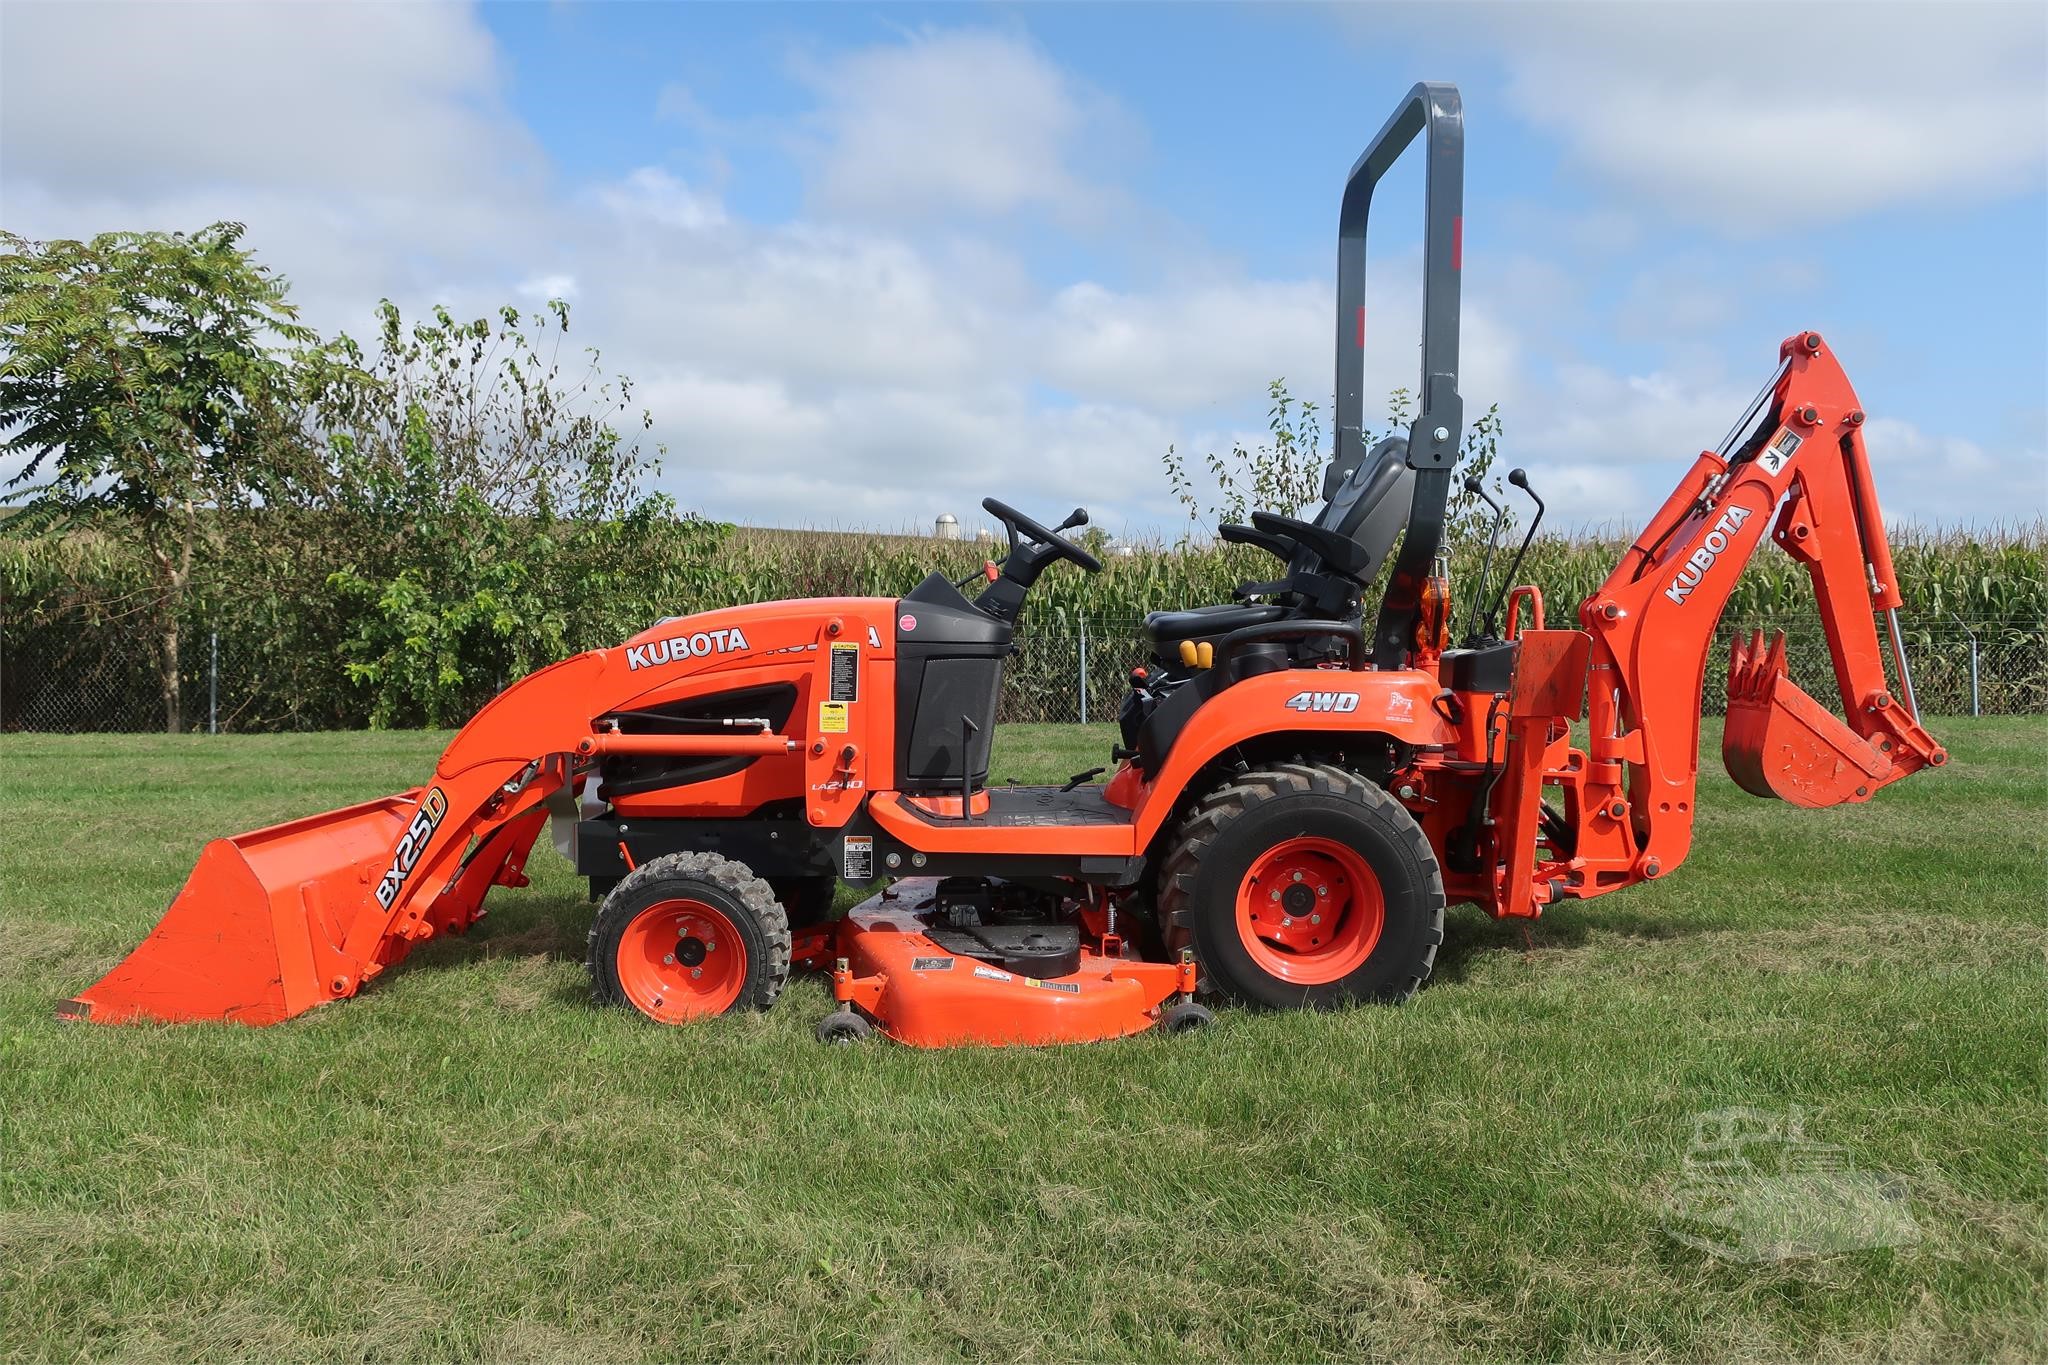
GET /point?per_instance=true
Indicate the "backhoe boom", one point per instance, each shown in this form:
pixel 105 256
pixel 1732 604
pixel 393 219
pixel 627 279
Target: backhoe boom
pixel 1802 476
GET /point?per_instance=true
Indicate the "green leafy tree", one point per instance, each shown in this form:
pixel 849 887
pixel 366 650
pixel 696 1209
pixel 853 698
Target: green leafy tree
pixel 496 514
pixel 1285 474
pixel 144 375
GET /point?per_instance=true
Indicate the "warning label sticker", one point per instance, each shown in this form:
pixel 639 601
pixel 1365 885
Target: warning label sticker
pixel 857 858
pixel 831 717
pixel 1069 987
pixel 991 974
pixel 845 671
pixel 931 964
pixel 1779 452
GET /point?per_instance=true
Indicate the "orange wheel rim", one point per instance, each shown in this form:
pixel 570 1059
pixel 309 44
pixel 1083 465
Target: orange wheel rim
pixel 681 959
pixel 1309 911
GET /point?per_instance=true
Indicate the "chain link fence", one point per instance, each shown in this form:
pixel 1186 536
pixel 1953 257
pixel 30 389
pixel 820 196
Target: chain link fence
pixel 111 681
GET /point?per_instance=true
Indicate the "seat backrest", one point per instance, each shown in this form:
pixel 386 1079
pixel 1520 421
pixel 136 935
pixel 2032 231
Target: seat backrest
pixel 1367 504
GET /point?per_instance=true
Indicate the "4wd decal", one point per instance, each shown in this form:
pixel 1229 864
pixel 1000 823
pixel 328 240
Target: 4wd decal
pixel 674 649
pixel 1323 701
pixel 1702 559
pixel 411 845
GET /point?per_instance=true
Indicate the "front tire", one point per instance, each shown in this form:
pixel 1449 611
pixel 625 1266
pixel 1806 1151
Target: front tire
pixel 1303 886
pixel 687 936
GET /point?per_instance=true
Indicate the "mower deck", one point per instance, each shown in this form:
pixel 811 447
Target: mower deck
pixel 924 994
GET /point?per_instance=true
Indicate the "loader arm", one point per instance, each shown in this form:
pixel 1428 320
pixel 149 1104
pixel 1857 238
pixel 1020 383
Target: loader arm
pixel 277 921
pixel 1654 620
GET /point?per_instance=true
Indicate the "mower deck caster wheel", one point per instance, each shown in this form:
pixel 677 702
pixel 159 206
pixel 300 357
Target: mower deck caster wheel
pixel 844 1028
pixel 1186 1017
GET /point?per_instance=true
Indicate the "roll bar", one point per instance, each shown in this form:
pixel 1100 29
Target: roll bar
pixel 1433 109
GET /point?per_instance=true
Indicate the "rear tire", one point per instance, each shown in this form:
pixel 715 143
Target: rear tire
pixel 687 936
pixel 1302 886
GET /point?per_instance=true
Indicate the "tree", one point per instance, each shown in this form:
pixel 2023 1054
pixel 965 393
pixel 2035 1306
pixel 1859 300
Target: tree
pixel 145 374
pixel 1285 474
pixel 497 516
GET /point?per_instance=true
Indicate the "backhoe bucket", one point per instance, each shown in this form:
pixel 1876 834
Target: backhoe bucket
pixel 1781 742
pixel 256 935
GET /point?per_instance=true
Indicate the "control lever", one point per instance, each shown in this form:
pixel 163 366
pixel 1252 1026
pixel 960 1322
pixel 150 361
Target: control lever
pixel 1078 517
pixel 1078 778
pixel 968 730
pixel 1520 479
pixel 1500 516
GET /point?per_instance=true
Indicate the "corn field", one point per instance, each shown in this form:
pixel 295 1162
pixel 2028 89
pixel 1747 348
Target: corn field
pixel 258 658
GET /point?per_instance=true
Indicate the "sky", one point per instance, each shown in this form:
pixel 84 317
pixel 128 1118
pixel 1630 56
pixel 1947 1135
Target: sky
pixel 868 264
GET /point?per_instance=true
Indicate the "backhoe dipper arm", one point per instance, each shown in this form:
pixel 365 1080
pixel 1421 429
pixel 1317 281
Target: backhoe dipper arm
pixel 1654 620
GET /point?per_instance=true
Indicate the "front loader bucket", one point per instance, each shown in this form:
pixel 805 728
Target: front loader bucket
pixel 256 934
pixel 1781 742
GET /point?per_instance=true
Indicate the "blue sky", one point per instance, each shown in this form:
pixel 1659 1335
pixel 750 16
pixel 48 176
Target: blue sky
pixel 871 263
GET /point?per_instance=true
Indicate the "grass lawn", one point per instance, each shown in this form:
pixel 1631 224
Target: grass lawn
pixel 469 1161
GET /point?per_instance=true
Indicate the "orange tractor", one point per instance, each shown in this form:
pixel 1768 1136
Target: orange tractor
pixel 1295 799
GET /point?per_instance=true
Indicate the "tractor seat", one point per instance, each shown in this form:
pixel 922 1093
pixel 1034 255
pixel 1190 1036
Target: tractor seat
pixel 1167 629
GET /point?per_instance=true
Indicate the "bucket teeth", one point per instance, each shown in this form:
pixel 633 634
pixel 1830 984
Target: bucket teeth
pixel 1754 667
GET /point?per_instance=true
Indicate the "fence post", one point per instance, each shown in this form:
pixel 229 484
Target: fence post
pixel 1084 670
pixel 213 682
pixel 1976 707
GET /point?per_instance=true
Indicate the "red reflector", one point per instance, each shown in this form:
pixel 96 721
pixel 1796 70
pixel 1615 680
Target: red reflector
pixel 1361 326
pixel 1458 242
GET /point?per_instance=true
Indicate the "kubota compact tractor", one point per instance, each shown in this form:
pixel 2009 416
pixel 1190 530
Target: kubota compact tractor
pixel 1294 800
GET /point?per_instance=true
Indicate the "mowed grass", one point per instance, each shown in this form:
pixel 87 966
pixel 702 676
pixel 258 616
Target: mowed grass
pixel 469 1161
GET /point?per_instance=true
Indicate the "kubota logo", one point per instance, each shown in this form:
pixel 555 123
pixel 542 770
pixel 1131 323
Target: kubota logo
pixel 417 836
pixel 1702 559
pixel 676 648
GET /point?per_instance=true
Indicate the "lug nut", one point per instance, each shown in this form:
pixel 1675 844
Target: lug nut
pixel 1322 891
pixel 1315 919
pixel 696 971
pixel 669 960
pixel 1297 876
pixel 1287 921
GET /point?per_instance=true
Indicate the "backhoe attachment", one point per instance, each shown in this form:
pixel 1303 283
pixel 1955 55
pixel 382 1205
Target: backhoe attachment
pixel 1781 742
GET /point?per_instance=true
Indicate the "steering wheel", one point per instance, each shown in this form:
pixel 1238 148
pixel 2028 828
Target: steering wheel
pixel 1024 528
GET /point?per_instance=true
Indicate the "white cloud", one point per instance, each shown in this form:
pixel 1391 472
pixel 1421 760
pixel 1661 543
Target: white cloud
pixel 377 99
pixel 660 198
pixel 954 120
pixel 1190 346
pixel 886 356
pixel 1929 478
pixel 1755 118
